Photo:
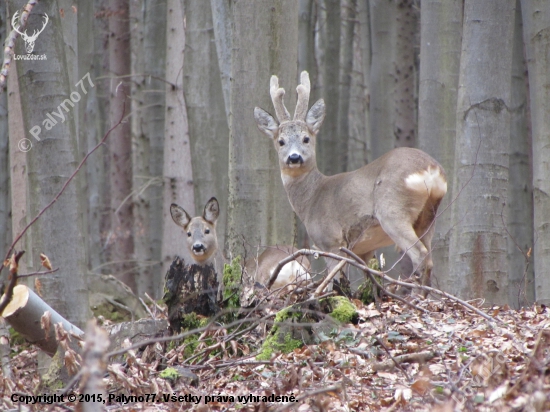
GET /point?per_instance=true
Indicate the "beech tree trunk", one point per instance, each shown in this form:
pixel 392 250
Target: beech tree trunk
pixel 149 47
pixel 121 242
pixel 177 171
pixel 440 43
pixel 45 88
pixel 208 127
pixel 536 24
pixel 478 249
pixel 332 150
pixel 382 19
pixel 264 43
pixel 520 198
pixel 5 198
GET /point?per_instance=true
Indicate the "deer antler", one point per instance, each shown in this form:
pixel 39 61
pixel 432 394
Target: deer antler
pixel 303 90
pixel 277 94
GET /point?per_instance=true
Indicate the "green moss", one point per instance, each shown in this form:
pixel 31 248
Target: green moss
pixel 280 338
pixel 191 321
pixel 342 309
pixel 278 343
pixel 232 278
pixel 112 313
pixel 366 292
pixel 170 373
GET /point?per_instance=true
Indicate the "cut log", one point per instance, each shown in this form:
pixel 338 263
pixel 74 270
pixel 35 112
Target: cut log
pixel 24 313
pixel 190 288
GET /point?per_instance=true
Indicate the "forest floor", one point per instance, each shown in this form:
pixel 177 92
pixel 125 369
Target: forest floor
pixel 449 359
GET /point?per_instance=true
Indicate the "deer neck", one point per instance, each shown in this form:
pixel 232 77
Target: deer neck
pixel 301 189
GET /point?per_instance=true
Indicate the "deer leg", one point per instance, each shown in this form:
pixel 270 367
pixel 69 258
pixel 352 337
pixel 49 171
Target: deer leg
pixel 406 239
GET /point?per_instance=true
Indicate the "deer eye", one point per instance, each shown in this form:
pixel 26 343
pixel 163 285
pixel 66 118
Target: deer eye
pixel 306 139
pixel 188 234
pixel 207 231
pixel 281 142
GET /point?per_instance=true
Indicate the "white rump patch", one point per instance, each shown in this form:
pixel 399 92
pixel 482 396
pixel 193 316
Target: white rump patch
pixel 428 181
pixel 290 272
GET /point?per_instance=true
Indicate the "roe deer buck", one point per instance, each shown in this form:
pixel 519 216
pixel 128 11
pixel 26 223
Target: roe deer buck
pixel 394 199
pixel 202 245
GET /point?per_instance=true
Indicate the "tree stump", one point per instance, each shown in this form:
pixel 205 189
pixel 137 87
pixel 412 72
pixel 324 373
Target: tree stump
pixel 190 288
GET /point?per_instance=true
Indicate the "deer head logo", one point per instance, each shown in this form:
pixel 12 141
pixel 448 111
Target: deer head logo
pixel 29 40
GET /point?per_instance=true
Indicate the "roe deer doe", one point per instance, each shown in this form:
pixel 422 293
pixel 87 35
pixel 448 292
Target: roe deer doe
pixel 202 245
pixel 394 199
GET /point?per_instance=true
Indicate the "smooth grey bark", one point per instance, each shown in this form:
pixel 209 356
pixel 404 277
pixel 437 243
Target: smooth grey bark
pixel 177 171
pixel 18 171
pixel 382 82
pixel 331 149
pixel 120 240
pixel 440 44
pixel 405 72
pixel 5 198
pixel 307 17
pixel 478 250
pixel 44 87
pixel 536 25
pixel 520 196
pixel 221 21
pixel 264 43
pixel 96 117
pixel 149 49
pixel 358 144
pixel 208 127
pixel 348 16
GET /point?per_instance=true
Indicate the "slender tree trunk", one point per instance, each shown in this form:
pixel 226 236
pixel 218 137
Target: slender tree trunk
pixel 149 49
pixel 382 83
pixel 405 72
pixel 5 198
pixel 178 174
pixel 18 169
pixel 221 20
pixel 332 150
pixel 96 120
pixel 536 24
pixel 306 38
pixel 478 250
pixel 120 145
pixel 440 43
pixel 264 43
pixel 348 16
pixel 520 197
pixel 358 144
pixel 208 128
pixel 45 87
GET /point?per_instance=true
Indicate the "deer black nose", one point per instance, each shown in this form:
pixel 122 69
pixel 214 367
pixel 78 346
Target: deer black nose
pixel 295 158
pixel 197 247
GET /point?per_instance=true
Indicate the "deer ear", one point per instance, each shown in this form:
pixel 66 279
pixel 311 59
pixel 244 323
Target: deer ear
pixel 179 215
pixel 265 122
pixel 316 115
pixel 211 210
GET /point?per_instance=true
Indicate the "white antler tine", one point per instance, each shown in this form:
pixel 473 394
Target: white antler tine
pixel 303 91
pixel 277 94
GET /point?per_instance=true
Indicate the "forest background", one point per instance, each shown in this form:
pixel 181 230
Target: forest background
pixel 466 81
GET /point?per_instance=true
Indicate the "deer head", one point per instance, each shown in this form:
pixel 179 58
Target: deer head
pixel 29 40
pixel 294 139
pixel 202 242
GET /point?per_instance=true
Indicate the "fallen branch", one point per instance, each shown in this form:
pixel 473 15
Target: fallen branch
pixel 418 357
pixel 329 277
pixel 384 276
